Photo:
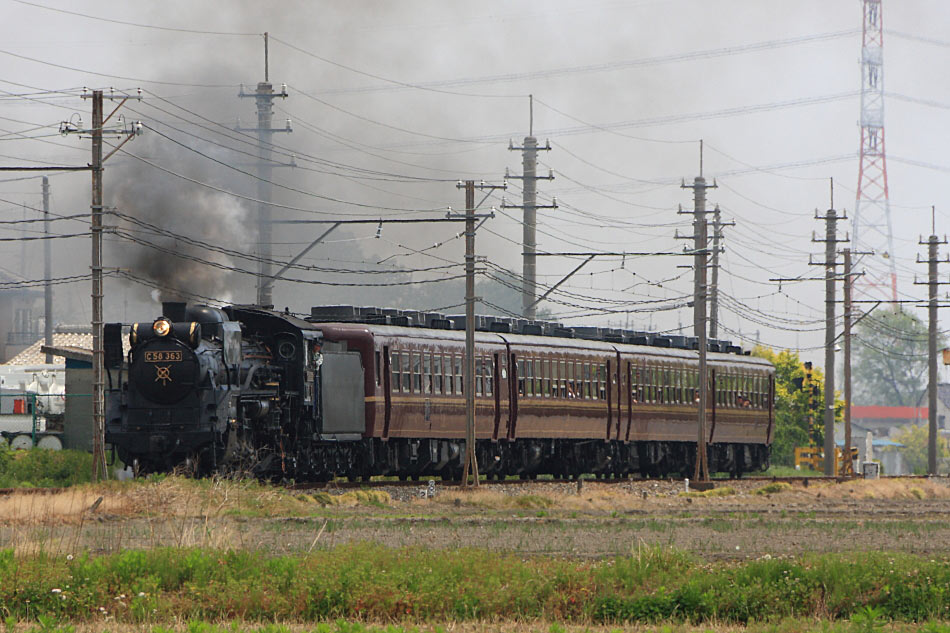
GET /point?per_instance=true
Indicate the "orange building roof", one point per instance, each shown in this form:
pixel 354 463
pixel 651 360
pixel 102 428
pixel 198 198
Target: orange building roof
pixel 889 413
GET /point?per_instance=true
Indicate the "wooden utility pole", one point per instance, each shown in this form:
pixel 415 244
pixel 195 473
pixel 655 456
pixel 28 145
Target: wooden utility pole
pixel 96 133
pixel 470 469
pixel 470 465
pixel 98 368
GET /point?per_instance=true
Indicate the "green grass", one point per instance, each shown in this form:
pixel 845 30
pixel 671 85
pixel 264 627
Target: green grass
pixel 373 583
pixel 43 469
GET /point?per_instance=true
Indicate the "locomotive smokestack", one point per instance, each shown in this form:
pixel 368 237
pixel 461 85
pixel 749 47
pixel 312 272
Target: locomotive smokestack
pixel 174 310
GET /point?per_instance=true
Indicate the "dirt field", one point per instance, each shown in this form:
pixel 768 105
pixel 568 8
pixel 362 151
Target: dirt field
pixel 540 518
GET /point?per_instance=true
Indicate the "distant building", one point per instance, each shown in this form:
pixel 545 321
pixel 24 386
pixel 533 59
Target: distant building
pixel 885 421
pixel 21 322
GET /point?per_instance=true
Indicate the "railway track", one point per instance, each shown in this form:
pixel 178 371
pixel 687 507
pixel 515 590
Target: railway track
pixel 802 480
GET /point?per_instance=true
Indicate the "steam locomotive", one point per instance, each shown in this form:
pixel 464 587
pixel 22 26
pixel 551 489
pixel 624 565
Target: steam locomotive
pixel 359 392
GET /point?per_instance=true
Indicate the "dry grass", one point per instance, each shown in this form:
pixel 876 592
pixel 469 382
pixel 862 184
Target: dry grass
pixel 890 489
pixel 69 506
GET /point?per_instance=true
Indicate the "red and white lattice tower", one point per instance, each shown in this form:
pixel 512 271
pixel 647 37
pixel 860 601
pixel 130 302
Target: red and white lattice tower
pixel 872 212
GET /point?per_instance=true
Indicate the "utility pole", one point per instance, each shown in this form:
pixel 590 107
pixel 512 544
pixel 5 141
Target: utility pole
pixel 849 276
pixel 718 224
pixel 932 261
pixel 98 367
pixel 529 203
pixel 47 274
pixel 831 239
pixel 848 464
pixel 470 466
pixel 470 469
pixel 700 291
pixel 264 96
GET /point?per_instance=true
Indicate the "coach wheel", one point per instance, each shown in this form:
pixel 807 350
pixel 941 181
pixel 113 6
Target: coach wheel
pixel 403 477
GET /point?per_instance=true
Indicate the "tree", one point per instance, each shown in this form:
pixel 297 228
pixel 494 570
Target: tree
pixel 799 396
pixel 915 440
pixel 890 359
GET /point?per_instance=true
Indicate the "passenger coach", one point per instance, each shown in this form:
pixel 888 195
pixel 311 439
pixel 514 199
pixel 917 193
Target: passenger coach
pixel 547 404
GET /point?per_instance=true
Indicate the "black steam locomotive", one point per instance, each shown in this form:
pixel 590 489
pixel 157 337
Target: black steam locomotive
pixel 203 389
pixel 359 392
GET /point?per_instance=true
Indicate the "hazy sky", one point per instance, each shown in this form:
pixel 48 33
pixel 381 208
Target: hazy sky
pixel 393 102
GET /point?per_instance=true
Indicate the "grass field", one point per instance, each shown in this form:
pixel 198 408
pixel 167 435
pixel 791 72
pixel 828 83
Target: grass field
pixel 177 554
pixel 376 583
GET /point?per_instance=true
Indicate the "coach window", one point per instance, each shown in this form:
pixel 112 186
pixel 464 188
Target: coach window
pixel 546 375
pixel 562 380
pixel 457 362
pixel 426 372
pixel 478 375
pixel 538 377
pixel 519 368
pixel 489 375
pixel 377 359
pixel 416 372
pixel 437 373
pixel 602 379
pixel 405 368
pixel 394 369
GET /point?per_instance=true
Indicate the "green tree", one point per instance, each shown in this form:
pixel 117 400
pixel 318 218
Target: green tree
pixel 915 439
pixel 890 359
pixel 797 397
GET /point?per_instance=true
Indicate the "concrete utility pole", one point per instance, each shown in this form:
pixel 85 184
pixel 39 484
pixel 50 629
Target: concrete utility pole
pixel 96 133
pixel 264 96
pixel 529 203
pixel 848 464
pixel 831 239
pixel 700 291
pixel 932 261
pixel 47 274
pixel 849 276
pixel 718 225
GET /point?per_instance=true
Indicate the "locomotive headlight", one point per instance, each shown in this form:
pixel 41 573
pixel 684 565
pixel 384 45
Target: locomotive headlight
pixel 162 327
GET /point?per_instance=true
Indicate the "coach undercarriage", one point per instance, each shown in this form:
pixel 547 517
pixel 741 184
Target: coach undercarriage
pixel 524 458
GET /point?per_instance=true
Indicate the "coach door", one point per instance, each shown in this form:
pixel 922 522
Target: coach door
pixel 387 391
pixel 617 379
pixel 512 394
pixel 501 391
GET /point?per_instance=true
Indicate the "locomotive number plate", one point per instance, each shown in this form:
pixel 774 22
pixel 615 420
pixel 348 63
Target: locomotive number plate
pixel 171 356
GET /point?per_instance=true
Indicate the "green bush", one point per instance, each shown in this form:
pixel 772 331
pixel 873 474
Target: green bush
pixel 44 469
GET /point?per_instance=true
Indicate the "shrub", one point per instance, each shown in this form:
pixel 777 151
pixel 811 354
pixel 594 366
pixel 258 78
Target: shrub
pixel 44 469
pixel 774 488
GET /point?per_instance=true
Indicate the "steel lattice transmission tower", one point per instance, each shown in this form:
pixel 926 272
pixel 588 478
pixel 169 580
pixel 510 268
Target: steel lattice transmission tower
pixel 872 212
